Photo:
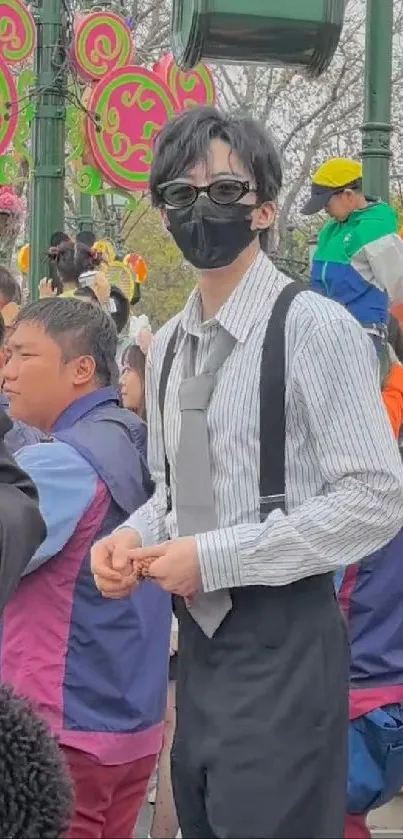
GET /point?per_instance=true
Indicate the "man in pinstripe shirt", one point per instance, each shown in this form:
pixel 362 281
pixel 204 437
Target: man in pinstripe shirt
pixel 260 745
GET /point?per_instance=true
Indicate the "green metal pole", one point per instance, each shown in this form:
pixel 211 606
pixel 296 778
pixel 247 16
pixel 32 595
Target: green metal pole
pixel 85 220
pixel 85 208
pixel 377 126
pixel 47 199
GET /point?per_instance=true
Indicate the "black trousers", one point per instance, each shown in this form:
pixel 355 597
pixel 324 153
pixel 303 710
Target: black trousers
pixel 262 717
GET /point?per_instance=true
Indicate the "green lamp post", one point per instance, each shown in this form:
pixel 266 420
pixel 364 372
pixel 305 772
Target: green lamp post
pixel 85 219
pixel 47 196
pixel 302 33
pixel 376 152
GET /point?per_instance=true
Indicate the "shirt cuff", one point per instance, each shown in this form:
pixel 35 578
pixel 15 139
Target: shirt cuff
pixel 219 559
pixel 136 522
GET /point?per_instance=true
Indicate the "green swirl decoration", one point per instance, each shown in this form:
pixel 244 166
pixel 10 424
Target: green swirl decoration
pixel 17 32
pixel 8 115
pixel 89 180
pixel 111 121
pixel 187 82
pixel 8 170
pixel 75 133
pixel 133 201
pixel 103 43
pixel 25 83
pixel 129 101
pixel 123 148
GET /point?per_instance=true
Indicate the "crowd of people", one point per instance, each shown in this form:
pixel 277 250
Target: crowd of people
pixel 206 572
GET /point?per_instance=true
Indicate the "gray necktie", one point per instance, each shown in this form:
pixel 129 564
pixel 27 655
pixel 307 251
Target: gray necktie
pixel 195 506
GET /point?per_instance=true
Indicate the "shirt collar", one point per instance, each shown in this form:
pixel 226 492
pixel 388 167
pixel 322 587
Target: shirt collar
pixel 78 409
pixel 240 312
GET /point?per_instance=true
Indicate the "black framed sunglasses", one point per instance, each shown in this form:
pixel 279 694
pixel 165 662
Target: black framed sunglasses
pixel 180 194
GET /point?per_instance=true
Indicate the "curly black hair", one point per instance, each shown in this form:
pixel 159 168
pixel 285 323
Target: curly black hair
pixel 72 259
pixel 36 797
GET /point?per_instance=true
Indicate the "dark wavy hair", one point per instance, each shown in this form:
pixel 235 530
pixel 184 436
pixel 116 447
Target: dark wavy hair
pixel 71 260
pixel 185 141
pixel 36 796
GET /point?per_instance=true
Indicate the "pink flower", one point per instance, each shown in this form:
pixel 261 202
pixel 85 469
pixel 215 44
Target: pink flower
pixel 11 203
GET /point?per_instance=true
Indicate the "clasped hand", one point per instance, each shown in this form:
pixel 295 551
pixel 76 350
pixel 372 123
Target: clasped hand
pixel 119 564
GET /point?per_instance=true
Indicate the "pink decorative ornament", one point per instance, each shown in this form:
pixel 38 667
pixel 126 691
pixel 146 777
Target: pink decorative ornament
pixel 102 42
pixel 17 31
pixel 8 107
pixel 12 212
pixel 11 203
pixel 131 105
pixel 190 89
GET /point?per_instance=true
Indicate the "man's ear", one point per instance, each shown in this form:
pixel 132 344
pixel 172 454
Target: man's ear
pixel 83 370
pixel 263 217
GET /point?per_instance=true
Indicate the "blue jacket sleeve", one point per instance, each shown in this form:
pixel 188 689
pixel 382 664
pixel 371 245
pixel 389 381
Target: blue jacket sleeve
pixel 21 435
pixel 66 485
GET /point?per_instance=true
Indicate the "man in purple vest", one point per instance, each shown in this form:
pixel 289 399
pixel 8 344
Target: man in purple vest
pixel 96 669
pixel 20 434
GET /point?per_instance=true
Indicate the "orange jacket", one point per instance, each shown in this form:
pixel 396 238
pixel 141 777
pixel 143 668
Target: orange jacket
pixel 393 398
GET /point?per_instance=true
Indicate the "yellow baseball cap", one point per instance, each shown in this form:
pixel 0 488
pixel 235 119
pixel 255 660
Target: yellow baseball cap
pixel 332 177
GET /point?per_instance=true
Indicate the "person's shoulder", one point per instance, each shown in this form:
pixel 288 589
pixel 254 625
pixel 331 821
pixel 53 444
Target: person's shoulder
pixel 156 353
pixel 327 230
pixel 21 435
pixel 311 312
pixel 381 211
pixel 165 333
pixel 377 220
pixel 54 456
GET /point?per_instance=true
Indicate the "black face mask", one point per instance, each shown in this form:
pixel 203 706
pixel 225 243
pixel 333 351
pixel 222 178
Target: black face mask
pixel 209 235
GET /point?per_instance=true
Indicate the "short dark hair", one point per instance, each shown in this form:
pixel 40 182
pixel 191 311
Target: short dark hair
pixel 185 141
pixel 8 285
pixel 79 329
pixel 36 791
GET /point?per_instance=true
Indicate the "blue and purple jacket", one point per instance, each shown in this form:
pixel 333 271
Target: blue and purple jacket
pixel 371 597
pixel 95 668
pixel 20 434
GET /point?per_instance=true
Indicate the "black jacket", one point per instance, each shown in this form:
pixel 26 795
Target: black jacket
pixel 22 528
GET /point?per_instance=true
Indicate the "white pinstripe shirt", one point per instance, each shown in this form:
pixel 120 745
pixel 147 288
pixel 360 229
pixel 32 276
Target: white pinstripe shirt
pixel 344 478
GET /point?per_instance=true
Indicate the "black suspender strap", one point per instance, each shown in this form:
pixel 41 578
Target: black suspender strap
pixel 272 405
pixel 165 371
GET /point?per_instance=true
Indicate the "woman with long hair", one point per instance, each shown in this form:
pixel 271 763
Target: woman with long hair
pixel 76 266
pixel 132 380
